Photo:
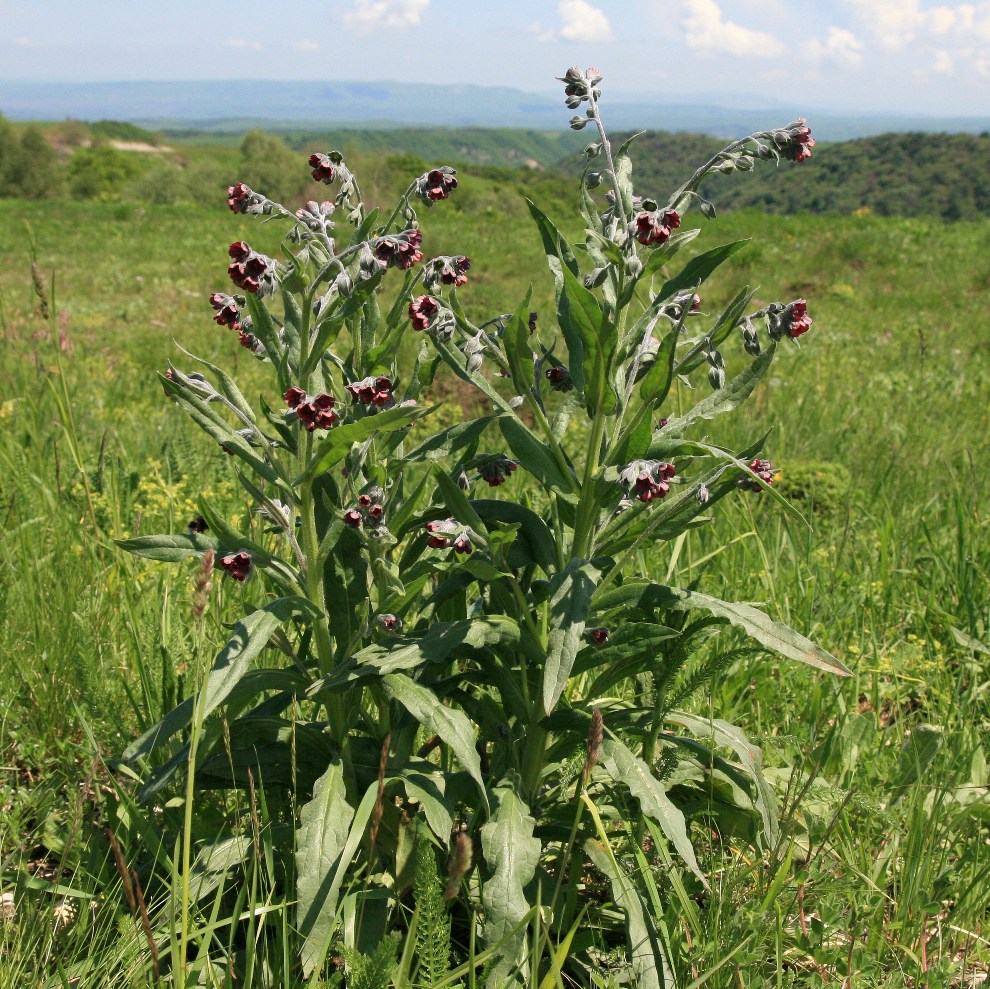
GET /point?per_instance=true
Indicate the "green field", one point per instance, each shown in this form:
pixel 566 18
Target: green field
pixel 881 436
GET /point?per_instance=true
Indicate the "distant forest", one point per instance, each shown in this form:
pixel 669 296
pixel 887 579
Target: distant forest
pixel 905 174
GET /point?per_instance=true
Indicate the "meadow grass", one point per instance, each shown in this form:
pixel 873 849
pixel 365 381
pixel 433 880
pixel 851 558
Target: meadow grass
pixel 881 437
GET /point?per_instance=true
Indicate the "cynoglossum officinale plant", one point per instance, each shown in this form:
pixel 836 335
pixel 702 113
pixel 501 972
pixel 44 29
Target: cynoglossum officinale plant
pixel 426 652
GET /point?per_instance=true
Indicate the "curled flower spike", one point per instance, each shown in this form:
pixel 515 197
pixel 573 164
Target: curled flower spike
pixel 313 411
pixel 423 311
pixel 436 184
pixel 795 317
pixel 797 143
pixel 559 378
pixel 647 479
pixel 236 565
pixel 654 227
pixel 597 635
pixel 496 469
pixel 400 250
pixel 448 532
pixel 446 271
pixel 323 168
pixel 372 391
pixel 580 86
pixel 250 342
pixel 253 272
pixel 227 311
pixel 239 196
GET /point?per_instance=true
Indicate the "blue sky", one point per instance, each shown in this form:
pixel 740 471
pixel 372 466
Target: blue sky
pixel 864 55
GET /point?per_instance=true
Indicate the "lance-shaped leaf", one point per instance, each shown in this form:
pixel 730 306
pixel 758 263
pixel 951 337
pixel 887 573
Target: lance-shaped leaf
pixel 626 768
pixel 324 825
pixel 571 591
pixel 589 337
pixel 249 638
pixel 558 251
pixel 450 724
pixel 773 635
pixel 169 547
pixel 337 443
pixel 699 268
pixel 534 542
pixel 323 890
pixel 750 758
pixel 512 853
pixel 448 441
pixel 725 399
pixel 534 455
pixel 518 349
pixel 646 955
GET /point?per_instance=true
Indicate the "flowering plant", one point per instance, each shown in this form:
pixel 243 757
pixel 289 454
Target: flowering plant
pixel 488 673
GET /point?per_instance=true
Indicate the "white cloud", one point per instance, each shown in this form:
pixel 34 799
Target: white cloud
pixel 369 15
pixel 840 45
pixel 707 30
pixel 304 45
pixel 895 24
pixel 944 63
pixel 243 44
pixel 582 22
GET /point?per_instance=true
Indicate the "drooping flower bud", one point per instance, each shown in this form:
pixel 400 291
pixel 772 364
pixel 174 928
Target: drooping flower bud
pixel 236 565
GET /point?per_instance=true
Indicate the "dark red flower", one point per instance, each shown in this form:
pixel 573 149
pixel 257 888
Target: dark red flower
pixel 294 396
pixel 423 310
pixel 454 271
pixel 239 251
pixel 597 635
pixel 227 312
pixel 655 228
pixel 376 512
pixel 496 469
pixel 236 565
pixel 323 169
pixel 799 144
pixel 532 322
pixel 559 378
pixel 462 544
pixel 198 524
pixel 796 318
pixel 647 479
pixel 237 196
pixel 400 250
pixel 439 184
pixel 388 622
pixel 437 539
pixel 248 340
pixel 353 518
pixel 364 500
pixel 315 412
pixel 763 469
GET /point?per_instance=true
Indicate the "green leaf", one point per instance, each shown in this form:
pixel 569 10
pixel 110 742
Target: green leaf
pixel 726 399
pixel 699 268
pixel 917 755
pixel 534 455
pixel 448 441
pixel 589 335
pixel 534 542
pixel 571 591
pixel 248 640
pixel 457 502
pixel 554 245
pixel 625 767
pixel 324 824
pixel 338 441
pixel 450 724
pixel 759 626
pixel 518 349
pixel 646 955
pixel 722 733
pixel 513 854
pixel 168 548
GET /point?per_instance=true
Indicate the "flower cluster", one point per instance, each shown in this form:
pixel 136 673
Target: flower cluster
pixel 373 391
pixel 250 270
pixel 647 479
pixel 242 198
pixel 237 566
pixel 796 318
pixel 446 270
pixel 369 509
pixel 559 377
pixel 798 142
pixel 496 468
pixel 580 86
pixel 323 167
pixel 449 532
pixel 654 227
pixel 763 469
pixel 313 411
pixel 227 313
pixel 599 636
pixel 316 216
pixel 436 184
pixel 400 250
pixel 423 311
